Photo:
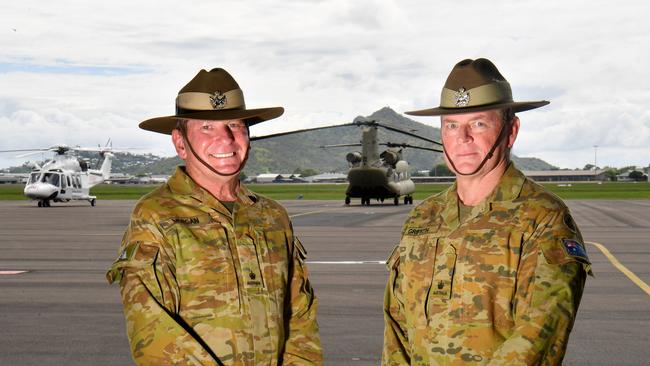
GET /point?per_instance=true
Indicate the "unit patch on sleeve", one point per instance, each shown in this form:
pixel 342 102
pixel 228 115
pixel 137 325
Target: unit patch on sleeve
pixel 575 249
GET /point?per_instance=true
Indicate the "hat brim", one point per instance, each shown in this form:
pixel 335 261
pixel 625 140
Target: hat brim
pixel 250 116
pixel 516 107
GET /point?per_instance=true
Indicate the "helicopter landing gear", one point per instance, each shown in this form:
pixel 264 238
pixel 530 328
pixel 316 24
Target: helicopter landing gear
pixel 365 201
pixel 347 200
pixel 408 200
pixel 44 203
pixel 92 202
pixel 396 200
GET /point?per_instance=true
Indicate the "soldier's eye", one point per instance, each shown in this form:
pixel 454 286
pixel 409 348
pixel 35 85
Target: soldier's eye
pixel 479 124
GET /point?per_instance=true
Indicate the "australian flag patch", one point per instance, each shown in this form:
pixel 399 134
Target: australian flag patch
pixel 575 249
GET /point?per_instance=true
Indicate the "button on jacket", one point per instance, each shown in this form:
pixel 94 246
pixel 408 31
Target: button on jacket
pixel 203 286
pixel 500 288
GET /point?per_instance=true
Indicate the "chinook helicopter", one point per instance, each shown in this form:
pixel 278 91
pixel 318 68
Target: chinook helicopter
pixel 374 175
pixel 65 177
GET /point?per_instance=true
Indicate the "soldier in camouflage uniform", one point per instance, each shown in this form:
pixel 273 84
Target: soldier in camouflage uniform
pixel 490 271
pixel 210 272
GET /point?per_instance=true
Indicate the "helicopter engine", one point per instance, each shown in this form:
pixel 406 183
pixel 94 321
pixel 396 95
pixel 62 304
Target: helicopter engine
pixel 390 157
pixel 402 166
pixel 354 158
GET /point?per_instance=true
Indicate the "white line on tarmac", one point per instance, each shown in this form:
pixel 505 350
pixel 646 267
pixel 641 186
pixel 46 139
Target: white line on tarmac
pixel 311 212
pixel 11 272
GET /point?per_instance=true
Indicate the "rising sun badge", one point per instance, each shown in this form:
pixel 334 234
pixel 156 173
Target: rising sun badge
pixel 462 97
pixel 218 100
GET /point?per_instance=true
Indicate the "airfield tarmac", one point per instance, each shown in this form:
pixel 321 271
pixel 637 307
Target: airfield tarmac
pixel 62 311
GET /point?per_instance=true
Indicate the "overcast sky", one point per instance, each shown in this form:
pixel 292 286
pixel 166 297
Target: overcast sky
pixel 79 72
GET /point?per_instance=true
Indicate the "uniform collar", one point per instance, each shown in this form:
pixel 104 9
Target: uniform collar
pixel 508 189
pixel 184 187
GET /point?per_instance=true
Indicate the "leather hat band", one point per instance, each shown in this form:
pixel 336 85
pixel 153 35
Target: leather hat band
pixel 198 101
pixel 481 95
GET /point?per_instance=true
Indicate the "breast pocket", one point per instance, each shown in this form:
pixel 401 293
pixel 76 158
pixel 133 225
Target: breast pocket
pixel 489 275
pixel 442 284
pixel 417 263
pixel 206 272
pixel 273 260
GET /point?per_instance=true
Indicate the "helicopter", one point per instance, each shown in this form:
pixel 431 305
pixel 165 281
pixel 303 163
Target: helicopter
pixel 372 174
pixel 65 177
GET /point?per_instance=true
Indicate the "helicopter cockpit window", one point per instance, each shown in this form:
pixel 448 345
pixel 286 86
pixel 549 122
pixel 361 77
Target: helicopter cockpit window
pixel 51 178
pixel 34 177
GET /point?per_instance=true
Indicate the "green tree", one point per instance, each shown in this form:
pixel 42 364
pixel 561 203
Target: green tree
pixel 611 174
pixel 308 172
pixel 637 176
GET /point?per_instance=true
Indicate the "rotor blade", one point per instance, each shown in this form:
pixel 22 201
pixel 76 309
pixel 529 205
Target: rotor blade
pixel 32 153
pixel 408 134
pixel 20 150
pixel 391 144
pixel 339 145
pixel 106 149
pixel 255 138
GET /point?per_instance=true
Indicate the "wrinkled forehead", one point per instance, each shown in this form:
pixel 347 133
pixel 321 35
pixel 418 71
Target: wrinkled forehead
pixel 212 121
pixel 489 115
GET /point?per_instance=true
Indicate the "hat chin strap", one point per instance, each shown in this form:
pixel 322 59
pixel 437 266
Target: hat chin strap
pixel 487 157
pixel 215 171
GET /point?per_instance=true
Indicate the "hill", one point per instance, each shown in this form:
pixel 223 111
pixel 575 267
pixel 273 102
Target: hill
pixel 299 151
pixel 285 154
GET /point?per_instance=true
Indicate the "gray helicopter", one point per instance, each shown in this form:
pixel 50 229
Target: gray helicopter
pixel 371 174
pixel 65 177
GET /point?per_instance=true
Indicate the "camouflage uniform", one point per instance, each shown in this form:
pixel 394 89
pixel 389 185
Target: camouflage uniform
pixel 202 286
pixel 500 288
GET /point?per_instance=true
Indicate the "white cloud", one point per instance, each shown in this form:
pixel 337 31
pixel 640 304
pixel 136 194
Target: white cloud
pixel 79 72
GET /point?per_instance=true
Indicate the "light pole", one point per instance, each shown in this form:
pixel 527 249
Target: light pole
pixel 595 162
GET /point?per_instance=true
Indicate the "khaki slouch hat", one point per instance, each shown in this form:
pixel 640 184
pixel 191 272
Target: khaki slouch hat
pixel 213 95
pixel 474 86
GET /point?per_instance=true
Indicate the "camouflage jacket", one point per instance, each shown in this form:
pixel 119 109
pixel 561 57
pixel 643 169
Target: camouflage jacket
pixel 500 288
pixel 202 286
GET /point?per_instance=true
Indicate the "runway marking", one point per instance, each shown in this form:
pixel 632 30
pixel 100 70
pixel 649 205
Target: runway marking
pixel 346 262
pixel 312 212
pixel 634 278
pixel 11 272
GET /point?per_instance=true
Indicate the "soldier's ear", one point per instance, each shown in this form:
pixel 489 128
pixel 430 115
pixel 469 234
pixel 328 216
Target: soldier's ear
pixel 179 143
pixel 514 130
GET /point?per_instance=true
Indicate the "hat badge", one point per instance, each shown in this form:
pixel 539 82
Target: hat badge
pixel 462 97
pixel 218 100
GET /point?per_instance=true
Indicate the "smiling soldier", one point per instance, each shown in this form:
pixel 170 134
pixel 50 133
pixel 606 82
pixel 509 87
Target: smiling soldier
pixel 491 270
pixel 210 272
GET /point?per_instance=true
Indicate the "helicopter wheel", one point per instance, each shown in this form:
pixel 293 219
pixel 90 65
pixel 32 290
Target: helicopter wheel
pixel 396 200
pixel 381 200
pixel 92 202
pixel 406 200
pixel 347 200
pixel 40 203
